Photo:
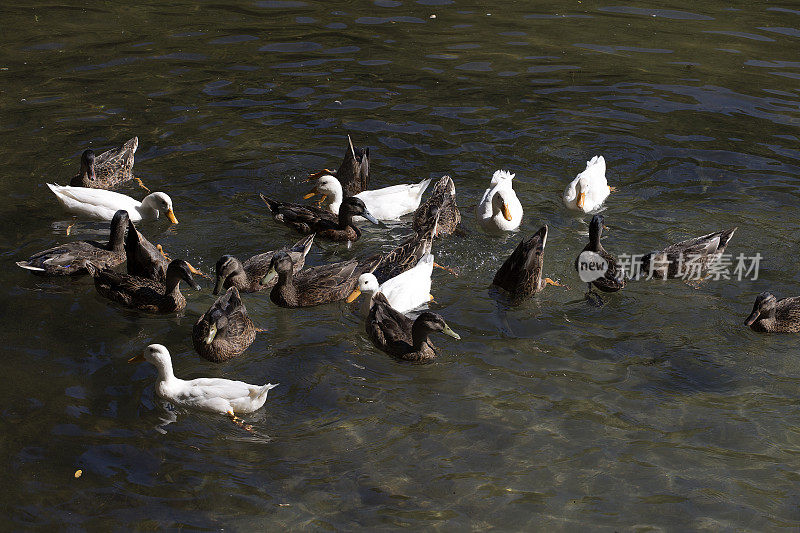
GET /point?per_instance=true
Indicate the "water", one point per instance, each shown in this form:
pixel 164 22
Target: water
pixel 656 410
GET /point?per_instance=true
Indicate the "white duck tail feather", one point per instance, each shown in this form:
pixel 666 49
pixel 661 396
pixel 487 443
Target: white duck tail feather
pixel 26 266
pixel 257 393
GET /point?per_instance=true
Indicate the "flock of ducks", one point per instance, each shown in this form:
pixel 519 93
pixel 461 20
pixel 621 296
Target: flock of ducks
pixel 390 284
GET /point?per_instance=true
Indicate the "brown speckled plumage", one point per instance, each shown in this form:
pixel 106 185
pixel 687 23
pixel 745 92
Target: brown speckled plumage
pixel 234 331
pixel 107 170
pixel 442 201
pixel 614 278
pixel 674 260
pixel 771 315
pixel 521 273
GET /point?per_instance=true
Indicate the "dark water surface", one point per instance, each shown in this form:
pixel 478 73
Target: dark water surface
pixel 658 409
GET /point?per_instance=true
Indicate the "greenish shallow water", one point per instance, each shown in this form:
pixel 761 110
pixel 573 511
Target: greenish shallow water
pixel 658 409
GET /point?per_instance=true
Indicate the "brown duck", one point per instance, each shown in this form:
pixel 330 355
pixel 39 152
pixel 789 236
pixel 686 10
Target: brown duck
pixel 614 277
pixel 353 173
pixel 315 285
pixel 247 276
pixel 70 259
pixel 521 273
pixel 443 198
pixel 109 169
pixel 146 294
pixel 225 330
pixel 771 315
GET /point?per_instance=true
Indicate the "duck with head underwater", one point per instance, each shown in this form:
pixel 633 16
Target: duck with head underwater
pixel 613 277
pixel 353 173
pixel 521 274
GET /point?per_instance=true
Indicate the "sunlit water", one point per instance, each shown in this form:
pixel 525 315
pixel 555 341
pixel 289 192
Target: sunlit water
pixel 657 409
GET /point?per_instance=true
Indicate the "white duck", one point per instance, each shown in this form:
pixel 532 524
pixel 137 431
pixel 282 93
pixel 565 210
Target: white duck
pixel 405 291
pixel 217 395
pixel 389 203
pixel 589 189
pixel 499 208
pixel 102 204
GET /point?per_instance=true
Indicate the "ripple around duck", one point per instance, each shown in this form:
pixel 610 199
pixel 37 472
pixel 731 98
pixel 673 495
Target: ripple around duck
pixel 658 408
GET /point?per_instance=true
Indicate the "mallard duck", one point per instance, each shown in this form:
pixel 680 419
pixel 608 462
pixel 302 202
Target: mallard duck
pixel 247 276
pixel 146 294
pixel 315 285
pixel 443 197
pixel 217 395
pixel 225 330
pixel 396 334
pixel 614 277
pixel 771 315
pixel 521 273
pixel 143 259
pixel 70 259
pixel 353 173
pixel 499 208
pixel 306 219
pixel 102 204
pixel 404 292
pixel 589 189
pixel 389 203
pixel 692 256
pixel 109 169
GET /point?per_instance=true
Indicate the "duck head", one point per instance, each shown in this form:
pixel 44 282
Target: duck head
pixel 354 206
pixel 226 267
pixel 367 283
pixel 161 203
pixel 280 265
pixel 764 306
pixel 180 270
pixel 431 322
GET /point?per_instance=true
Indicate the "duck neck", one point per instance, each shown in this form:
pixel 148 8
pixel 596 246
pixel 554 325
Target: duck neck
pixel 419 336
pixel 165 372
pixel 173 286
pixel 116 241
pixel 335 201
pixel 366 303
pixel 594 239
pixel 345 221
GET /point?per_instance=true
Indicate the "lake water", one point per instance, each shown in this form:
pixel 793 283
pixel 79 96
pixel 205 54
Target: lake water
pixel 658 409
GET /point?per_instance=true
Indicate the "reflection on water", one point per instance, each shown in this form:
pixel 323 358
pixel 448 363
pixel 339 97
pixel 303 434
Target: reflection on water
pixel 657 409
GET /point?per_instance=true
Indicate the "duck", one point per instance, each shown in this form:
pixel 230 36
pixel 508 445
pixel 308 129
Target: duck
pixel 142 258
pixel 692 256
pixel 70 259
pixel 521 274
pixel 396 334
pixel 614 277
pixel 225 330
pixel 443 197
pixel 353 173
pixel 408 253
pixel 307 219
pixel 216 395
pixel 109 169
pixel 247 276
pixel 404 292
pixel 499 208
pixel 388 203
pixel 771 315
pixel 102 204
pixel 315 285
pixel 589 189
pixel 146 294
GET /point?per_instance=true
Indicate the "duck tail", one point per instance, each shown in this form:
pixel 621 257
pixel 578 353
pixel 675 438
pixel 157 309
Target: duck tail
pixel 272 204
pixel 258 393
pixel 423 186
pixel 724 237
pixel 28 266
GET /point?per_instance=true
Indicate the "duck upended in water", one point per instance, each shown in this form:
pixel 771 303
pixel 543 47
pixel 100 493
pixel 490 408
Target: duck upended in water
pixel 225 330
pixel 521 273
pixel 675 260
pixel 614 278
pixel 146 294
pixel 109 169
pixel 217 395
pixel 396 334
pixel 442 204
pixel 589 189
pixel 771 315
pixel 353 173
pixel 247 276
pixel 388 203
pixel 102 204
pixel 499 209
pixel 307 219
pixel 404 292
pixel 70 259
pixel 143 258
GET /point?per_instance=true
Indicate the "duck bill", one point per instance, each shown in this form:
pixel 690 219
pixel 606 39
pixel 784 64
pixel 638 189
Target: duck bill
pixel 218 286
pixel 212 332
pixel 752 318
pixel 171 216
pixel 137 358
pixel 506 212
pixel 310 195
pixel 269 276
pixel 366 214
pixel 449 332
pixel 353 295
pixel 581 200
